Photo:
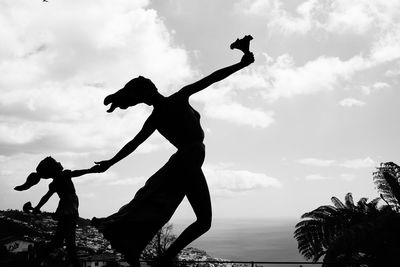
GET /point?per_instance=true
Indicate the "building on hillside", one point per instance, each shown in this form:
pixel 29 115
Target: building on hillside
pixel 99 260
pixel 14 244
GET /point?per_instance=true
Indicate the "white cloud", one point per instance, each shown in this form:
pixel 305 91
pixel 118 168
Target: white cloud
pixel 239 114
pixel 316 177
pixel 87 195
pixel 349 16
pixel 359 163
pixel 317 162
pixel 87 135
pixel 339 16
pixel 256 7
pixel 377 20
pixel 321 74
pixel 351 102
pixel 394 72
pixel 128 38
pixel 225 182
pixel 248 79
pixel 347 177
pixel 138 181
pixel 278 18
pixel 15 169
pixel 293 24
pixel 56 71
pixel 276 79
pixel 367 90
pixel 282 78
pixel 353 163
pixel 224 100
pixel 387 47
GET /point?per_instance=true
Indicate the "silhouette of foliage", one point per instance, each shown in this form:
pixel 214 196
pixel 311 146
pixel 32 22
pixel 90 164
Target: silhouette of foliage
pixel 361 234
pixel 322 226
pixel 374 242
pixel 161 241
pixel 386 179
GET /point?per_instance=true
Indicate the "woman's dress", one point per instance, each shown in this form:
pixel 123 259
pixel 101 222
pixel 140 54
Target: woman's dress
pixel 131 228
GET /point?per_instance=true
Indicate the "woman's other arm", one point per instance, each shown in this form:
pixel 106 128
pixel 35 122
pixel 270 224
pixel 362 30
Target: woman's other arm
pixel 147 130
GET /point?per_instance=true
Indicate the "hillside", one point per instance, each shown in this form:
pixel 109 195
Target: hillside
pixel 40 227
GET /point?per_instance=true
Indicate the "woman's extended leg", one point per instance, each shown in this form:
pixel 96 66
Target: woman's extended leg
pixel 199 198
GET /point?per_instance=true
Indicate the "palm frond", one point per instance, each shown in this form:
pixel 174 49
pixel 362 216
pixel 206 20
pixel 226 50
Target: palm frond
pixel 337 203
pixel 321 213
pixel 374 203
pixel 352 231
pixel 376 236
pixel 383 186
pixel 320 227
pixel 394 185
pixel 362 204
pixel 349 201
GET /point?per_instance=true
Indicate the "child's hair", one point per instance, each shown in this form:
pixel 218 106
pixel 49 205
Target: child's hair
pixel 44 168
pixel 31 180
pixel 46 165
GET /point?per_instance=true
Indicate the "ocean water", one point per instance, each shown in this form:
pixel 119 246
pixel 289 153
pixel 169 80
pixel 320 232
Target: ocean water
pixel 249 240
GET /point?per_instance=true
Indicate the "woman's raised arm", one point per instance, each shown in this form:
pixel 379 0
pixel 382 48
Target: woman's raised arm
pixel 218 75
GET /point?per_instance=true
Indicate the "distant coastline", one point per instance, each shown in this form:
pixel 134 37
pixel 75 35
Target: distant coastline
pixel 229 239
pixel 248 239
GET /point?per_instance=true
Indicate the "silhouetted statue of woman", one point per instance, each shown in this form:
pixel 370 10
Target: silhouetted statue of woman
pixel 134 225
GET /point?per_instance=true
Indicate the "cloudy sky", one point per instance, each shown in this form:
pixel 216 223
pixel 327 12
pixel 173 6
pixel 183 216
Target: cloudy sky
pixel 311 119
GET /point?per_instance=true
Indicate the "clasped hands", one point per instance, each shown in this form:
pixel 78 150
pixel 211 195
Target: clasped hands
pixel 101 166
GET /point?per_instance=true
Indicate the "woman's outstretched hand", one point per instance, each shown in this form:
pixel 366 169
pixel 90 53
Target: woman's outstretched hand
pixel 101 166
pixel 247 59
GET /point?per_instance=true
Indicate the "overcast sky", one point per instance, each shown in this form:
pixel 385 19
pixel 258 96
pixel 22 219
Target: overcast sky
pixel 310 119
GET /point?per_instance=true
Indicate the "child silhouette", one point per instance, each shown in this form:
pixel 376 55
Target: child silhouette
pixel 67 210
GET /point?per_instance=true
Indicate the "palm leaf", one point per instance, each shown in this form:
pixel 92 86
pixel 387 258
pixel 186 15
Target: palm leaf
pixel 394 185
pixel 337 203
pixel 349 201
pixel 321 227
pixel 383 186
pixel 373 237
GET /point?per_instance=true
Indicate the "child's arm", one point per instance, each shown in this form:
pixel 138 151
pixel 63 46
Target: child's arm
pixel 77 173
pixel 43 200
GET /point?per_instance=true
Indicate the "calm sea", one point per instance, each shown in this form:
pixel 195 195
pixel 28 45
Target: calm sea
pixel 249 240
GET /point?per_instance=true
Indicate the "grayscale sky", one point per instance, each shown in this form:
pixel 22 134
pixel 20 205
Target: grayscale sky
pixel 311 119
